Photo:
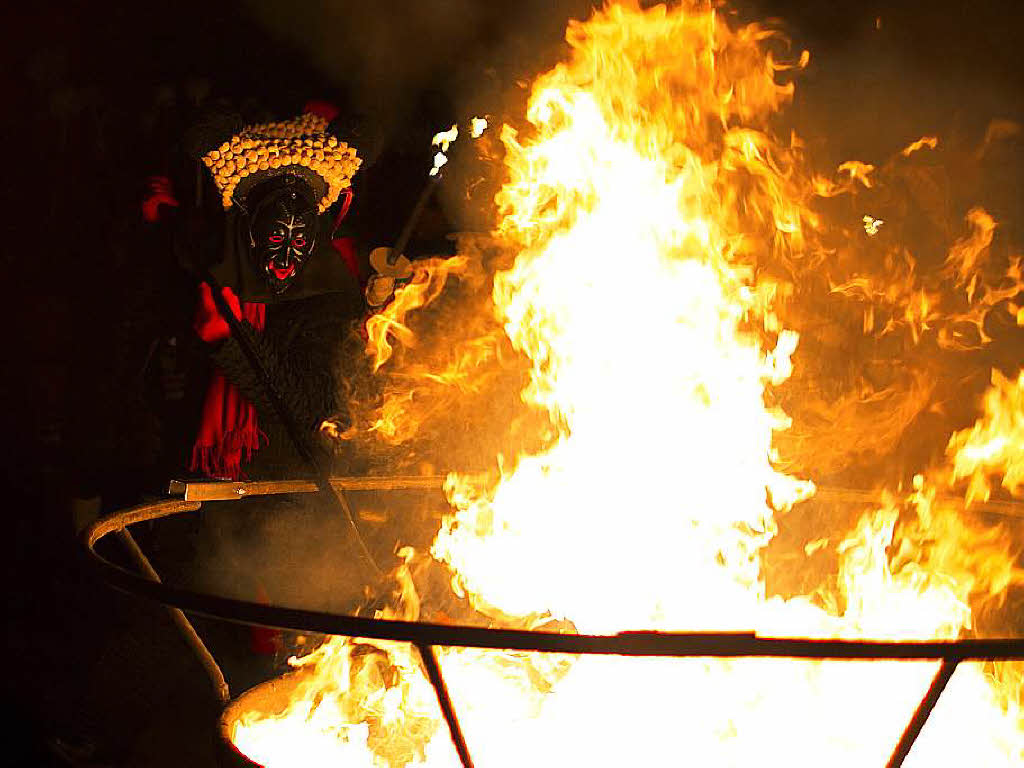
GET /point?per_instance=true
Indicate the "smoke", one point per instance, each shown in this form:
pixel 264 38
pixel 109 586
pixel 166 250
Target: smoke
pixel 295 550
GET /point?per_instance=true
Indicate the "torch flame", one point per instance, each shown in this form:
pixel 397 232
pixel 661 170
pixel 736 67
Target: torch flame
pixel 477 127
pixel 444 139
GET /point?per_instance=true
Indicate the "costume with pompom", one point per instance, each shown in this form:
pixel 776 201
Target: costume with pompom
pixel 296 326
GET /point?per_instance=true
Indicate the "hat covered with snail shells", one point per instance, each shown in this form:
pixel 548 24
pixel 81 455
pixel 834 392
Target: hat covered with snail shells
pixel 300 146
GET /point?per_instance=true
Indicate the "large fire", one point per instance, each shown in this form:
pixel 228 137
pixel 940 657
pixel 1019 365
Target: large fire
pixel 659 229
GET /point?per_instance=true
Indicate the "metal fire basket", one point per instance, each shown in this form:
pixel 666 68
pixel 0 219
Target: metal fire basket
pixel 188 497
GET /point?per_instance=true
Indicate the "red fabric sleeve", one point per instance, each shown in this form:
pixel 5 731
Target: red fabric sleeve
pixel 346 248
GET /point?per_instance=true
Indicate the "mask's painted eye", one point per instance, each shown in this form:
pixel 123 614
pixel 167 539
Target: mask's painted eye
pixel 299 242
pixel 275 239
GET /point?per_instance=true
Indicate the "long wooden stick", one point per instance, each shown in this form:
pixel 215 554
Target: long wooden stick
pixel 330 495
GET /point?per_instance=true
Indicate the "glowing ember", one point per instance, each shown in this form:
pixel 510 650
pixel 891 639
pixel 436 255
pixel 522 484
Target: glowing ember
pixel 639 204
pixel 477 127
pixel 871 224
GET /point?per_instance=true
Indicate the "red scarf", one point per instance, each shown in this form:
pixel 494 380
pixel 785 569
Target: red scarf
pixel 228 428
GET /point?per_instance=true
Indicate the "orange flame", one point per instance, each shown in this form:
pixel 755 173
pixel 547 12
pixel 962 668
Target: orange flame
pixel 925 141
pixel 388 325
pixel 653 215
pixel 994 446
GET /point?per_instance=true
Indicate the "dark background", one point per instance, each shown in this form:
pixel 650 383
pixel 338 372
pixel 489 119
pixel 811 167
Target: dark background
pixel 99 95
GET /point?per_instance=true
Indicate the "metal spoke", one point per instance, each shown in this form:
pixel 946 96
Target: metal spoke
pixel 447 709
pixel 924 709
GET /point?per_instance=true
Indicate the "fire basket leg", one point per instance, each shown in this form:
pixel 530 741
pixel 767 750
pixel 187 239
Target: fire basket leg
pixel 924 709
pixel 188 632
pixel 434 673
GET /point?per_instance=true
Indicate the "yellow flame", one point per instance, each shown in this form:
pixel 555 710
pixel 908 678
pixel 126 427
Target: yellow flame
pixel 949 304
pixel 925 141
pixel 429 278
pixel 858 171
pixel 994 446
pixel 644 192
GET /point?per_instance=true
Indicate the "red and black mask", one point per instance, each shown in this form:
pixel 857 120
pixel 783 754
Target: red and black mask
pixel 282 231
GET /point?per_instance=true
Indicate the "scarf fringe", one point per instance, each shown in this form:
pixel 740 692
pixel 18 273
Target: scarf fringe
pixel 229 428
pixel 224 460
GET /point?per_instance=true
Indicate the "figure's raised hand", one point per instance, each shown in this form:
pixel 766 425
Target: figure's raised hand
pixel 390 271
pixel 209 324
pixel 159 192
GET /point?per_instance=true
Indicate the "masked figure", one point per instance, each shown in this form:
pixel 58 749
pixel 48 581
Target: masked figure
pixel 292 285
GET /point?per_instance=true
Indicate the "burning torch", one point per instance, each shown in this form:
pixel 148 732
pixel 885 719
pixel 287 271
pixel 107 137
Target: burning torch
pixel 390 265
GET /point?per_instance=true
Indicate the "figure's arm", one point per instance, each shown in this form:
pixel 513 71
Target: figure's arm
pixel 315 330
pixel 301 374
